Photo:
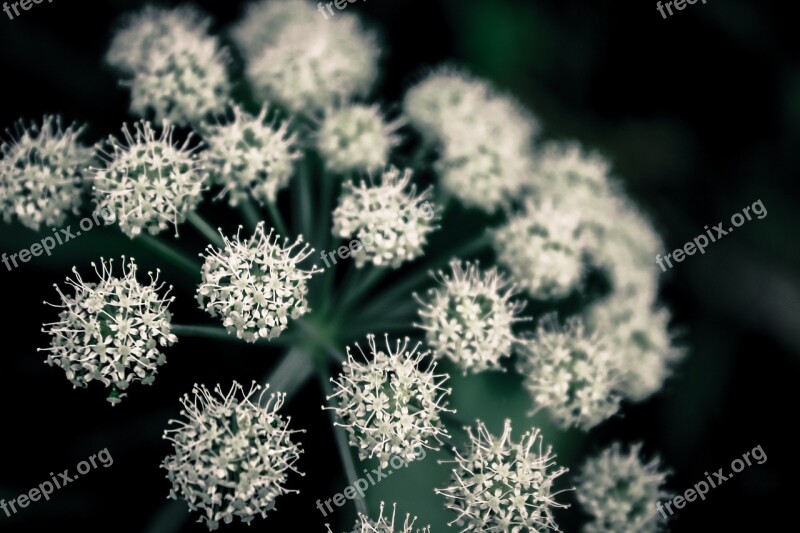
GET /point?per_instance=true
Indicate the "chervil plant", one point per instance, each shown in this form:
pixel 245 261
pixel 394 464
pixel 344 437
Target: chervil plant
pixel 353 174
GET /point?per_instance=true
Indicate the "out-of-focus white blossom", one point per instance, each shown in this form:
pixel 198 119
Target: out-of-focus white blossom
pixel 41 172
pixel 149 180
pixel 256 285
pixel 390 403
pixel 470 318
pixel 111 331
pixel 264 20
pixel 250 157
pixel 232 453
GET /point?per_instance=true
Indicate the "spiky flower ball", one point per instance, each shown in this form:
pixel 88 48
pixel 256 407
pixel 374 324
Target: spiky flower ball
pixel 356 137
pixel 500 485
pixel 264 20
pixel 111 331
pixel 250 157
pixel 310 64
pixel 469 319
pixel 620 491
pixel 391 223
pixel 41 172
pixel 256 285
pixel 390 404
pixel 384 524
pixel 232 453
pixel 543 250
pixel 641 342
pixel 178 70
pixel 571 372
pixel 149 180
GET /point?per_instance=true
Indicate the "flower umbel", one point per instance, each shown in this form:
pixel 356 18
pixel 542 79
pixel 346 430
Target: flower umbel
pixel 469 320
pixel 149 181
pixel 41 172
pixel 111 331
pixel 620 491
pixel 232 453
pixel 384 524
pixel 390 406
pixel 256 285
pixel 499 485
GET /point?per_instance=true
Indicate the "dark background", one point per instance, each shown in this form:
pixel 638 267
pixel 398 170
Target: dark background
pixel 700 115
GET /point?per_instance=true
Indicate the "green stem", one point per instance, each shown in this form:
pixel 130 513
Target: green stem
pixel 250 213
pixel 293 371
pixel 277 219
pixel 365 283
pixel 177 258
pixel 206 229
pixel 341 443
pixel 302 216
pixel 320 340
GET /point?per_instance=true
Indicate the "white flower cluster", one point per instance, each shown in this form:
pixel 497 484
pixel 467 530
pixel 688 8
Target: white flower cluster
pixel 231 455
pixel 469 320
pixel 111 331
pixel 384 524
pixel 500 485
pixel 178 70
pixel 305 63
pixel 571 372
pixel 388 213
pixel 389 405
pixel 620 491
pixel 41 172
pixel 356 137
pixel 256 285
pixel 149 181
pixel 543 250
pixel 485 137
pixel 250 157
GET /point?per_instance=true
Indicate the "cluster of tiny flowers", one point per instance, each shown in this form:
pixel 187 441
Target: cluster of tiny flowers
pixel 543 250
pixel 356 137
pixel 485 138
pixel 111 331
pixel 178 70
pixel 619 490
pixel 384 524
pixel 306 63
pixel 500 485
pixel 231 455
pixel 149 181
pixel 256 285
pixel 250 157
pixel 389 214
pixel 469 320
pixel 640 341
pixel 388 405
pixel 571 372
pixel 41 172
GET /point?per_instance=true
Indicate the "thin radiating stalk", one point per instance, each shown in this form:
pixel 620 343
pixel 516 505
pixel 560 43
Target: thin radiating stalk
pixel 250 213
pixel 341 443
pixel 301 217
pixel 277 219
pixel 177 258
pixel 293 371
pixel 206 229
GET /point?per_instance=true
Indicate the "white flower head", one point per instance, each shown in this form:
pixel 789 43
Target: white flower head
pixel 570 371
pixel 312 64
pixel 499 485
pixel 232 453
pixel 250 157
pixel 388 217
pixel 568 173
pixel 543 250
pixel 111 331
pixel 41 172
pixel 149 181
pixel 256 285
pixel 620 491
pixel 264 20
pixel 390 405
pixel 469 319
pixel 385 524
pixel 356 137
pixel 641 342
